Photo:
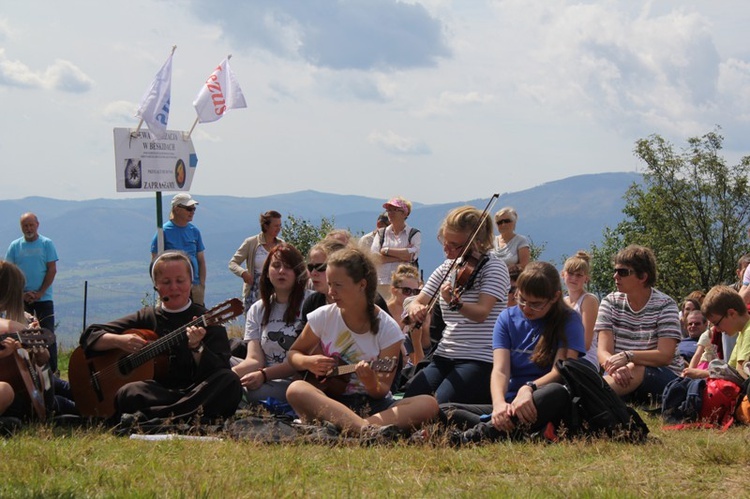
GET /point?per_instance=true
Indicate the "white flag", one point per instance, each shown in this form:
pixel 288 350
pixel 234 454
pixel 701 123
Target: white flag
pixel 154 107
pixel 219 94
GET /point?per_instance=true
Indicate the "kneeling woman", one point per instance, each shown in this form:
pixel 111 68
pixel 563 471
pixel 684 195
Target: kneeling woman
pixel 198 380
pixel 527 340
pixel 271 326
pixel 353 330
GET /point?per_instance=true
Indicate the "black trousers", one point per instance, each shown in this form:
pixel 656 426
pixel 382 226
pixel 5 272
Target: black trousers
pixel 217 396
pixel 552 401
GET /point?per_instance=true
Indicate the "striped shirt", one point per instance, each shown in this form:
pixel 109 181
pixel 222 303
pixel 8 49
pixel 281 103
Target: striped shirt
pixel 462 338
pixel 641 330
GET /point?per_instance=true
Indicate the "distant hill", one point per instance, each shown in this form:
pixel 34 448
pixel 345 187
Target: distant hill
pixel 106 241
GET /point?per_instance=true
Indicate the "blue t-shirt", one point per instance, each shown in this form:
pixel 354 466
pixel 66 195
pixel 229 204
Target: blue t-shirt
pixel 32 258
pixel 187 239
pixel 514 332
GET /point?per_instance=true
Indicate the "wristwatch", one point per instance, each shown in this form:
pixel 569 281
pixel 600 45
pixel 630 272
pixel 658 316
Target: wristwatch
pixel 531 385
pixel 198 349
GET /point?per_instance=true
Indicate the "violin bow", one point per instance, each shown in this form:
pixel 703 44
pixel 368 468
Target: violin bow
pixel 436 294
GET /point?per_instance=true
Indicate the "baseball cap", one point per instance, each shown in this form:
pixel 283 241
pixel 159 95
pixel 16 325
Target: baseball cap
pixel 398 203
pixel 183 199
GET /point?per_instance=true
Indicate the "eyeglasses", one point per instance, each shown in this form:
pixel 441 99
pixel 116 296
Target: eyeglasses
pixel 623 272
pixel 283 340
pixel 409 291
pixel 716 324
pixel 536 306
pixel 316 267
pixel 451 246
pixel 188 208
pixel 504 221
pixel 391 209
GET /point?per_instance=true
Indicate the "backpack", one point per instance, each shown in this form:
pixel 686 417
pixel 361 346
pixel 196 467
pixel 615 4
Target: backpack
pixel 682 400
pixel 597 409
pixel 719 400
pixel 412 233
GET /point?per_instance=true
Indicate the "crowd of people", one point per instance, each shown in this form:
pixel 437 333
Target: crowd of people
pixel 349 337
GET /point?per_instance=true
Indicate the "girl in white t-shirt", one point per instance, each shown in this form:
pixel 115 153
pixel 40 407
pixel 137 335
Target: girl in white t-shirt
pixel 352 330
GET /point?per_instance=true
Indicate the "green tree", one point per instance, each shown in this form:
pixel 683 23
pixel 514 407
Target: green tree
pixel 304 234
pixel 693 210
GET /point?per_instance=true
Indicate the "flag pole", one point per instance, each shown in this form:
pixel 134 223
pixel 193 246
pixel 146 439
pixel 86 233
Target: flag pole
pixel 187 137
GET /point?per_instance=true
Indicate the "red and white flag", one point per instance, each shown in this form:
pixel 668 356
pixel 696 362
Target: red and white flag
pixel 154 107
pixel 219 94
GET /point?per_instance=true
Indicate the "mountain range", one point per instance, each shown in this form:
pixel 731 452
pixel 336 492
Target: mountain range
pixel 104 244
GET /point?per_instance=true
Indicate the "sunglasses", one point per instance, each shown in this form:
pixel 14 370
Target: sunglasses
pixel 188 208
pixel 504 221
pixel 623 272
pixel 283 340
pixel 409 291
pixel 316 267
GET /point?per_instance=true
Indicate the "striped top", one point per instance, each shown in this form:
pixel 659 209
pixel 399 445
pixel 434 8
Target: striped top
pixel 641 330
pixel 462 338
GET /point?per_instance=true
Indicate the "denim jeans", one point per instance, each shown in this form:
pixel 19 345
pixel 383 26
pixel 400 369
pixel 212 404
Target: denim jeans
pixel 464 381
pixel 654 381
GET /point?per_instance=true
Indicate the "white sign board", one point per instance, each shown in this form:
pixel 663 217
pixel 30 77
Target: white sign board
pixel 143 163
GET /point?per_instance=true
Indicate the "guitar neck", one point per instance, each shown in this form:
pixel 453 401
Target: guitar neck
pixel 162 345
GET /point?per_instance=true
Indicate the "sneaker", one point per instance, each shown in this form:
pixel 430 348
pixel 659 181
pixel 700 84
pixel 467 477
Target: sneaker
pixel 483 432
pixel 387 433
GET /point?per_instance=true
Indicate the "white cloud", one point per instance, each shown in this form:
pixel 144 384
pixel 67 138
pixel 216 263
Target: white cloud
pixel 120 111
pixel 446 102
pixel 61 75
pixel 395 144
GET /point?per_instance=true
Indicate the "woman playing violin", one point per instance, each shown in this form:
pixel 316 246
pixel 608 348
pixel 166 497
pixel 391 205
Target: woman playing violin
pixel 462 362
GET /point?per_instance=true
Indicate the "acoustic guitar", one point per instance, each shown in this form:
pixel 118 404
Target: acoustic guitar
pixel 29 381
pixel 334 382
pixel 95 380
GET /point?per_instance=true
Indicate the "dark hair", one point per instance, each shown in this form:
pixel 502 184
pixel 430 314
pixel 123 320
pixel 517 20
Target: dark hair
pixel 541 280
pixel 290 256
pixel 359 266
pixel 266 218
pixel 641 259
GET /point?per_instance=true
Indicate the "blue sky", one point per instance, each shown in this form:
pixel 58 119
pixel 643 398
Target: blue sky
pixel 435 100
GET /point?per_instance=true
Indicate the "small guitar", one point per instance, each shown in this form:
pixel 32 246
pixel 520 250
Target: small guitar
pixel 95 380
pixel 334 384
pixel 28 380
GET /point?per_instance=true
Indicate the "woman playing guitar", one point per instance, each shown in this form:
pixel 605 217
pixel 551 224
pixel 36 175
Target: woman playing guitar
pixel 462 362
pixel 196 378
pixel 355 330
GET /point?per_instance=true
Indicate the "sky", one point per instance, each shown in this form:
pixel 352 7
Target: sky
pixel 434 100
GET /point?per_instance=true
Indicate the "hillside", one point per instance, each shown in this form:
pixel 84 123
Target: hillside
pixel 106 241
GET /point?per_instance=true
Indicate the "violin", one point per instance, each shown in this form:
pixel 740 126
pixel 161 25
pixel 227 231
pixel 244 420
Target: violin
pixel 465 275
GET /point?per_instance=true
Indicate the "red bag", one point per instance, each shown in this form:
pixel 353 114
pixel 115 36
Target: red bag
pixel 719 400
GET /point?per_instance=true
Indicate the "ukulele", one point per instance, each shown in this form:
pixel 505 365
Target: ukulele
pixel 334 382
pixel 29 381
pixel 95 380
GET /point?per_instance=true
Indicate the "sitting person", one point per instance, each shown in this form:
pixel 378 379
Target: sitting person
pixel 576 272
pixel 638 329
pixel 527 340
pixel 695 326
pixel 405 284
pixel 355 331
pixel 199 380
pixel 462 361
pixel 271 326
pixel 727 311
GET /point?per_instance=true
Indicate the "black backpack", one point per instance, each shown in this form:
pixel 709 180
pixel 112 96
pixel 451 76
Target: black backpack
pixel 682 400
pixel 597 409
pixel 412 232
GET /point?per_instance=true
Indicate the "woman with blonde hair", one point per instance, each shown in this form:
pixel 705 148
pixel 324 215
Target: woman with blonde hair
pixel 404 285
pixel 462 361
pixel 514 249
pixel 576 274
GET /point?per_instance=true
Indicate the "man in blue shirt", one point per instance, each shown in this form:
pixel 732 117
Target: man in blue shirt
pixel 181 234
pixel 36 256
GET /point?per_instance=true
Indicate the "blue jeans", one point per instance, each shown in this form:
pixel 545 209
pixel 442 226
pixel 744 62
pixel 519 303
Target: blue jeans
pixel 463 381
pixel 45 312
pixel 654 381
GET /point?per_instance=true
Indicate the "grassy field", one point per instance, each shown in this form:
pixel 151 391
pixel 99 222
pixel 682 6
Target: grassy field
pixel 46 462
pixel 42 461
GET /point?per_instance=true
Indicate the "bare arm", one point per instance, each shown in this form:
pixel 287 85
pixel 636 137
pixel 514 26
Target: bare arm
pixel 201 267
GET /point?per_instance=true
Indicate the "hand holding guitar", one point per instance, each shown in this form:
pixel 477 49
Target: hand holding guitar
pixel 195 336
pixel 320 365
pixel 8 346
pixel 367 375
